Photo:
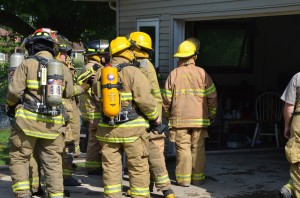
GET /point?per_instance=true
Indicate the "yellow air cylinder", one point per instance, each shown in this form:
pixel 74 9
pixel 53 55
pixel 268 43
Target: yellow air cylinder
pixel 110 92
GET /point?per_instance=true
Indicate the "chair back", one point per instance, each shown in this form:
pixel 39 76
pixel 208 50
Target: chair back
pixel 269 107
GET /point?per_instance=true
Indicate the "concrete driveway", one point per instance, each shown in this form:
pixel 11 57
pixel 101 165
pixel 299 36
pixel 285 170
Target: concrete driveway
pixel 255 173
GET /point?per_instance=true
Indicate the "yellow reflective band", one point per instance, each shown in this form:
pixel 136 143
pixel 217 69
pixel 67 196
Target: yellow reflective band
pixel 212 110
pixel 56 195
pixel 126 96
pixel 167 93
pixel 290 184
pixel 91 50
pixel 34 181
pixel 91 115
pixel 156 92
pixel 196 92
pixel 76 91
pixel 198 177
pixel 180 177
pixel 32 84
pixel 153 115
pixel 39 117
pixel 112 189
pixel 140 191
pixel 191 122
pixel 117 140
pixel 162 179
pixel 40 134
pixel 77 148
pixel 93 164
pixel 210 90
pixel 133 123
pixel 21 186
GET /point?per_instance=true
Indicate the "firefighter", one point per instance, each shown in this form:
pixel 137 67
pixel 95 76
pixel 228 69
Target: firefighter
pixel 158 170
pixel 291 96
pixel 95 56
pixel 35 99
pixel 190 102
pixel 125 129
pixel 72 108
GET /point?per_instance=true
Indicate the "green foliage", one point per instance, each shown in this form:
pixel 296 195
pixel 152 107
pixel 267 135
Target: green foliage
pixel 75 19
pixel 4 147
pixel 3 82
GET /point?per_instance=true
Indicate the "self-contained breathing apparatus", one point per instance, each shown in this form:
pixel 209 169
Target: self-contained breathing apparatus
pixel 14 61
pixel 108 91
pixel 112 111
pixel 50 77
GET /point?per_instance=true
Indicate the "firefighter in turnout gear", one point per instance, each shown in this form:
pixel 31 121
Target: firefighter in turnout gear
pixel 158 170
pixel 72 109
pixel 35 99
pixel 96 56
pixel 127 131
pixel 190 102
pixel 34 166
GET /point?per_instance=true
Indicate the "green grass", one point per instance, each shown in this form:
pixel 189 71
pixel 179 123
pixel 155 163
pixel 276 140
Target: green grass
pixel 4 148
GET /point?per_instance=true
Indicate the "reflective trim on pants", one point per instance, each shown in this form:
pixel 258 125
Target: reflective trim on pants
pixel 140 191
pixel 198 177
pixel 162 179
pixel 56 195
pixel 112 189
pixel 183 178
pixel 19 186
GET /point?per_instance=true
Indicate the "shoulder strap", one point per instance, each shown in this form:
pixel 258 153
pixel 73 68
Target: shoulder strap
pixel 40 59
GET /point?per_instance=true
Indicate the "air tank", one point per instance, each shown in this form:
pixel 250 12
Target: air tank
pixel 54 83
pixel 14 61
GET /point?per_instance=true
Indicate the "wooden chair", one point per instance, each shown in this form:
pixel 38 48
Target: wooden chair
pixel 268 109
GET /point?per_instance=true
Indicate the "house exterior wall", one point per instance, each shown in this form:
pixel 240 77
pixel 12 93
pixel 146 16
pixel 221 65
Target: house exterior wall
pixel 168 12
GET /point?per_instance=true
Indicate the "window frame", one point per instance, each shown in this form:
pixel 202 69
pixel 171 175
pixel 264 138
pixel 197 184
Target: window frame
pixel 250 30
pixel 154 22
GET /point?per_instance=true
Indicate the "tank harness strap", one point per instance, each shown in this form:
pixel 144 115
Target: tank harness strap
pixel 37 105
pixel 296 113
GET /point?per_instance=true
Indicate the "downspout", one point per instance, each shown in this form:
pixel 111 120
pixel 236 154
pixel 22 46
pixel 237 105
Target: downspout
pixel 112 5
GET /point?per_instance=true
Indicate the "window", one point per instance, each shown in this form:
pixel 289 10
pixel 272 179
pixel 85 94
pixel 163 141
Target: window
pixel 151 27
pixel 224 47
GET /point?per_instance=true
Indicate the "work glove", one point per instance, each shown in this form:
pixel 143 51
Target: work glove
pixel 11 111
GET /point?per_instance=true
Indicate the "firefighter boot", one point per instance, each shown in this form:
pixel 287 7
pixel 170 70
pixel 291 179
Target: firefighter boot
pixel 168 193
pixel 286 192
pixel 71 181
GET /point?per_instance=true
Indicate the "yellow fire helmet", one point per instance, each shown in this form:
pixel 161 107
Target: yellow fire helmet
pixel 141 39
pixel 120 46
pixel 187 48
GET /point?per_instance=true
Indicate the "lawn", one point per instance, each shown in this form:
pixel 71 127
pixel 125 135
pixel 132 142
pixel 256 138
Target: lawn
pixel 4 148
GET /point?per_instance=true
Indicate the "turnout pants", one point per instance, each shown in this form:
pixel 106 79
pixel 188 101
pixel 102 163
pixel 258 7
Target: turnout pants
pixel 292 151
pixel 138 168
pixel 158 171
pixel 34 172
pixel 190 154
pixel 49 154
pixel 75 128
pixel 93 153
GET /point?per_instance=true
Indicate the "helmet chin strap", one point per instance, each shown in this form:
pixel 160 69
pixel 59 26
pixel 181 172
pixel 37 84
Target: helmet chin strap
pixel 189 62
